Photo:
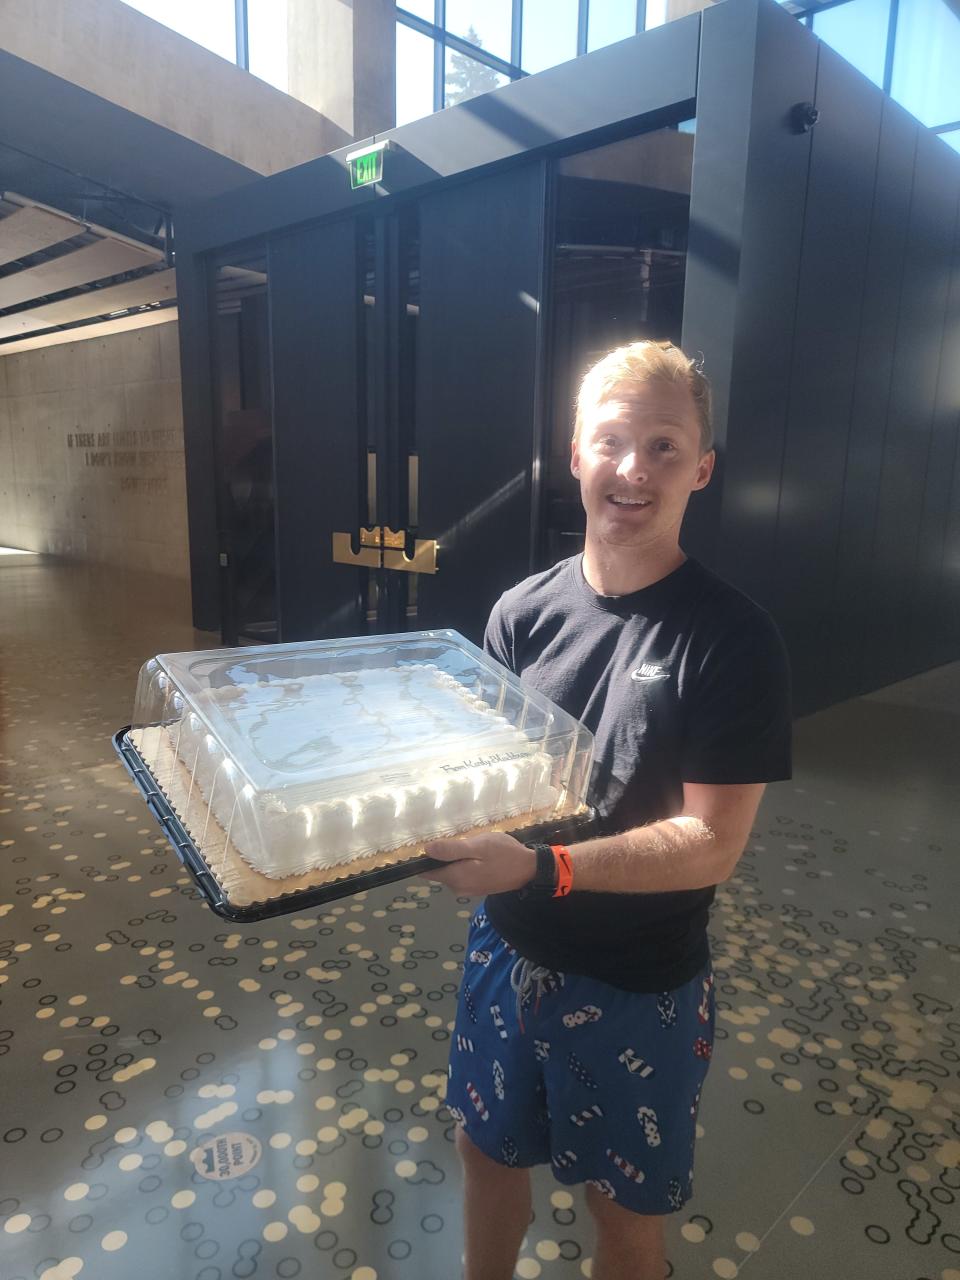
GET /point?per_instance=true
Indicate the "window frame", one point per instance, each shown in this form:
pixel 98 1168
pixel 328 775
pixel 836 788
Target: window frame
pixel 436 30
pixel 512 69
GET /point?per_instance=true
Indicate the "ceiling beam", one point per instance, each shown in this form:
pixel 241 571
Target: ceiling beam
pixel 102 330
pixel 82 266
pixel 159 287
pixel 30 230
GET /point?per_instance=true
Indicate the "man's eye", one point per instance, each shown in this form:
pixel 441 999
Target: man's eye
pixel 665 446
pixel 608 442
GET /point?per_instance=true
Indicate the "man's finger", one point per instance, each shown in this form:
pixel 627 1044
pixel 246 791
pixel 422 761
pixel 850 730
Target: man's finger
pixel 446 850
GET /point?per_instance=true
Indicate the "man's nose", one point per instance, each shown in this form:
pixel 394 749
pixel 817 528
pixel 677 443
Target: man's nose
pixel 632 466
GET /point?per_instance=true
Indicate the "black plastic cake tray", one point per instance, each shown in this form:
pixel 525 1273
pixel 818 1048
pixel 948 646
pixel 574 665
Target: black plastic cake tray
pixel 565 831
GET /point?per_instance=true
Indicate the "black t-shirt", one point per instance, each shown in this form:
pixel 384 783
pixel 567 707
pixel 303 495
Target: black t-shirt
pixel 684 681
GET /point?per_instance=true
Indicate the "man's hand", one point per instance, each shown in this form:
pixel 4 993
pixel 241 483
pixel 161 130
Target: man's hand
pixel 482 864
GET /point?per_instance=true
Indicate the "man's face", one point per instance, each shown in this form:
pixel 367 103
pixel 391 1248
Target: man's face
pixel 638 460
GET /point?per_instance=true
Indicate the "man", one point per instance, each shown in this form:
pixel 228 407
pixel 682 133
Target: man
pixel 586 1013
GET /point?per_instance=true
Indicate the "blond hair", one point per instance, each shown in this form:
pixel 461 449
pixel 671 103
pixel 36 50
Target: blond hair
pixel 641 362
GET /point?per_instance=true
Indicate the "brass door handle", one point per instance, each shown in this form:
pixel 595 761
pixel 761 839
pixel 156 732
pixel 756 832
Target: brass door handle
pixel 367 557
pixel 390 544
pixel 423 560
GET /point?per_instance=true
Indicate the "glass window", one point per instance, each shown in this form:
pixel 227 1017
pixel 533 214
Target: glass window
pixel 925 61
pixel 485 23
pixel 212 24
pixel 858 32
pixel 267 41
pixel 610 21
pixel 466 78
pixel 414 74
pixel 951 138
pixel 549 33
pixel 422 8
pixel 656 14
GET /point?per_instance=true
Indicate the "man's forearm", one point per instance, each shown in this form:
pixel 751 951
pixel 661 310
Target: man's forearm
pixel 677 853
pixel 684 852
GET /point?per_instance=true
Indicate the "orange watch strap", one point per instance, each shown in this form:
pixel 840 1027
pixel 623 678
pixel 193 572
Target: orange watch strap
pixel 564 862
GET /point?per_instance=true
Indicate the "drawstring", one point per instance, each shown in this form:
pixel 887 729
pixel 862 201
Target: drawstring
pixel 524 975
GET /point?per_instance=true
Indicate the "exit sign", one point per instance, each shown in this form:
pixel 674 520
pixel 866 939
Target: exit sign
pixel 366 166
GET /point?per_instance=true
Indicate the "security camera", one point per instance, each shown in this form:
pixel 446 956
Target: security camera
pixel 803 116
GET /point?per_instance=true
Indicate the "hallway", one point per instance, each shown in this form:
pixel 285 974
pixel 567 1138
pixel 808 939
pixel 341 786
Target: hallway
pixel 136 1026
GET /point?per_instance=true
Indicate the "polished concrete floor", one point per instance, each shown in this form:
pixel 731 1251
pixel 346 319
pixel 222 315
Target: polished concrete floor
pixel 137 1029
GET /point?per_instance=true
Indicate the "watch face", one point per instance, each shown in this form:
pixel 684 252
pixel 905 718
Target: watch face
pixel 546 876
pixel 544 881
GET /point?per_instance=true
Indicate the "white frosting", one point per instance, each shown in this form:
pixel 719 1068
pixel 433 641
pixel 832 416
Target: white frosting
pixel 314 736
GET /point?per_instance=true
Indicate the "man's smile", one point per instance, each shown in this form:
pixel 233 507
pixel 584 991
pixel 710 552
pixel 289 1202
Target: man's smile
pixel 619 500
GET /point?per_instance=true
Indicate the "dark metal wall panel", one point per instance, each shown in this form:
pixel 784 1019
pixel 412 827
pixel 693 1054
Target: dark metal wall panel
pixel 196 323
pixel 724 106
pixel 763 166
pixel 849 621
pixel 949 588
pixel 315 305
pixel 650 73
pixel 476 382
pixel 839 204
pixel 774 207
pixel 950 568
pixel 913 390
pixel 817 286
pixel 929 639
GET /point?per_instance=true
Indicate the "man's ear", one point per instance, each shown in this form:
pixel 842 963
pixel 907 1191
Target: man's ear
pixel 705 470
pixel 575 458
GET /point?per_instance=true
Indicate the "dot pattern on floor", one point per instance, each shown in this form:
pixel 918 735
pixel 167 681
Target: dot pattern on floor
pixel 268 1100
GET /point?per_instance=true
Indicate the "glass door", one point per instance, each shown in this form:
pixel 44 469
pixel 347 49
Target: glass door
pixel 391 254
pixel 344 305
pixel 476 398
pixel 244 450
pixel 406 355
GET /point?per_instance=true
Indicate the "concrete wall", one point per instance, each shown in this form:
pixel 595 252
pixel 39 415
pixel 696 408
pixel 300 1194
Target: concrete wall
pixel 111 50
pixel 342 60
pixel 681 8
pixel 91 451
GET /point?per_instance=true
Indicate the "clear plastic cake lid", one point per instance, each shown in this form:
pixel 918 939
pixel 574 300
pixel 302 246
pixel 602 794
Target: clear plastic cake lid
pixel 291 765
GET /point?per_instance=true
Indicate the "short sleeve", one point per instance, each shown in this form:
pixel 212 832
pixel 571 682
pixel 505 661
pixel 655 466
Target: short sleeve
pixel 737 717
pixel 497 638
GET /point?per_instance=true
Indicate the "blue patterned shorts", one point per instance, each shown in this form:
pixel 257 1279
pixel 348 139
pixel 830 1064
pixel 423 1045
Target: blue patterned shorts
pixel 602 1084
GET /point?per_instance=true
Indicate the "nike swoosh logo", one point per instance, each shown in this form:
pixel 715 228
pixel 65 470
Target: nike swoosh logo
pixel 649 672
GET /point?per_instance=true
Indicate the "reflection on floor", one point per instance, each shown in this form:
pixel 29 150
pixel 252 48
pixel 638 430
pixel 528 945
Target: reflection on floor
pixel 136 1027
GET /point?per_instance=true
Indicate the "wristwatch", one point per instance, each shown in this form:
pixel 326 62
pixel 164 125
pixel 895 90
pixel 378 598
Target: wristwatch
pixel 543 886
